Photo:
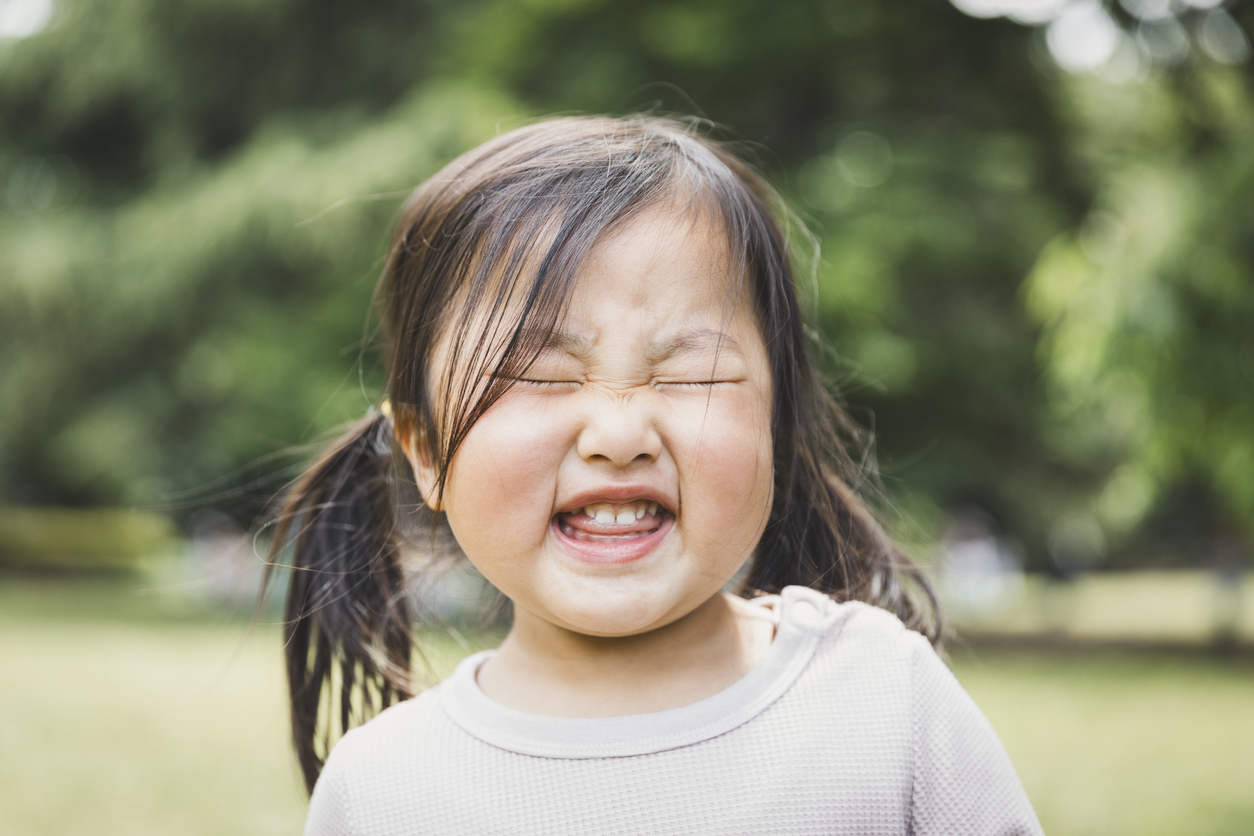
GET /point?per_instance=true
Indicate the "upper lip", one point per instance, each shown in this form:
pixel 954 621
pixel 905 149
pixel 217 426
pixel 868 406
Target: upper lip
pixel 619 494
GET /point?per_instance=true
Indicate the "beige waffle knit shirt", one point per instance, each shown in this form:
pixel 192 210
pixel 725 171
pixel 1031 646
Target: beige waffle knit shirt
pixel 849 725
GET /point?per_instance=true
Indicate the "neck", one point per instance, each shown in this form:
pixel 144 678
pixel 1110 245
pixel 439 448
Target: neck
pixel 542 668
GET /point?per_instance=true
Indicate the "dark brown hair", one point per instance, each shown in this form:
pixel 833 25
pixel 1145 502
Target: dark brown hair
pixel 486 253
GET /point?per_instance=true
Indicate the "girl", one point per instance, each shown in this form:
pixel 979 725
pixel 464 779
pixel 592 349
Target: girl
pixel 599 382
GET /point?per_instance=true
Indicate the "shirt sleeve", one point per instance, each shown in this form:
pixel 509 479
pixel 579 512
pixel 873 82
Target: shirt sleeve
pixel 329 804
pixel 963 782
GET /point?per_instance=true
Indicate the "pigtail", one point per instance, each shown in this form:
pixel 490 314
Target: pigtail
pixel 347 633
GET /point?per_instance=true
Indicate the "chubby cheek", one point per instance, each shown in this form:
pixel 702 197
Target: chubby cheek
pixel 726 480
pixel 501 486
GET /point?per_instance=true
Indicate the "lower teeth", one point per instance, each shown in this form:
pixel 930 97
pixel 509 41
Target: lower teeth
pixel 575 534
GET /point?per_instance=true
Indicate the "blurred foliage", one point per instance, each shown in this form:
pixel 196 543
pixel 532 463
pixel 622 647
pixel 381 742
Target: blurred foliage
pixel 1037 285
pixel 212 319
pixel 81 539
pixel 1149 304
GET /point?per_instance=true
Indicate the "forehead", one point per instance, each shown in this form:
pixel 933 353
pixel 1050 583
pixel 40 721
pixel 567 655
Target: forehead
pixel 663 243
pixel 666 268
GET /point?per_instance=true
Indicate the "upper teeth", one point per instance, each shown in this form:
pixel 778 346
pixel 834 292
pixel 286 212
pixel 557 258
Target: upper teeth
pixel 606 514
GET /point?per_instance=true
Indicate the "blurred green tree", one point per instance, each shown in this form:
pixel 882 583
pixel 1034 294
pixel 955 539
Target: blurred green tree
pixel 1149 303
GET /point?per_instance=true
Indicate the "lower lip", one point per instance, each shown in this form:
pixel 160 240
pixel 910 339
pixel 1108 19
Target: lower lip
pixel 613 554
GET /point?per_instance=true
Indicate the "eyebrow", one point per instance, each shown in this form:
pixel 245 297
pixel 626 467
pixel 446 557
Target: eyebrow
pixel 538 340
pixel 696 339
pixel 658 351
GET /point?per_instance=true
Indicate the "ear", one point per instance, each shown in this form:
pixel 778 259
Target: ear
pixel 421 461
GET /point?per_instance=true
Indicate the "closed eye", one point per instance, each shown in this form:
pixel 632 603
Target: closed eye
pixel 530 382
pixel 693 384
pixel 539 383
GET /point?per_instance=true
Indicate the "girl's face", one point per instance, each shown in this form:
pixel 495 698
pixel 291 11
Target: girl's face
pixel 627 477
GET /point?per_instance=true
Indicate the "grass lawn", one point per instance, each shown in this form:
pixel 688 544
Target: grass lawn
pixel 124 712
pixel 1124 745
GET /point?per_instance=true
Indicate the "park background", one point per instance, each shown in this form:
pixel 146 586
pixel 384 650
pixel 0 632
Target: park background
pixel 1036 285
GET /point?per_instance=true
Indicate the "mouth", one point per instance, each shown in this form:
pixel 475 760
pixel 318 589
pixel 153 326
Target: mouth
pixel 613 532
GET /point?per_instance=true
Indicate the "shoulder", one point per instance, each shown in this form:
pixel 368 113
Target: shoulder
pixel 867 658
pixel 393 729
pixel 898 703
pixel 863 658
pixel 383 745
pixel 353 790
pixel 897 664
pixel 864 630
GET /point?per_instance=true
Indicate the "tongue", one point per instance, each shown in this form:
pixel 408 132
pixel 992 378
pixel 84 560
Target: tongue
pixel 588 525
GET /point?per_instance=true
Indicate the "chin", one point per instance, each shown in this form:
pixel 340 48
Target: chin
pixel 601 617
pixel 627 610
pixel 612 625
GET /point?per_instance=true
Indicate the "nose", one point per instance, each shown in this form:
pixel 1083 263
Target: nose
pixel 619 431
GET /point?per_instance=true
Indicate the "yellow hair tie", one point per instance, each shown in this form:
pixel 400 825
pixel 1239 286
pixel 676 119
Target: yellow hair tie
pixel 386 408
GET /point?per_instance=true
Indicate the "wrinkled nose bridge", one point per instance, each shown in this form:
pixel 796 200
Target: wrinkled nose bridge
pixel 620 428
